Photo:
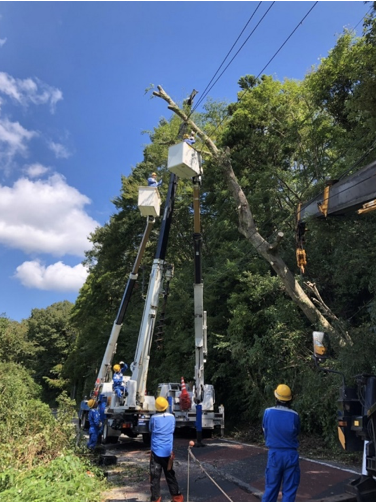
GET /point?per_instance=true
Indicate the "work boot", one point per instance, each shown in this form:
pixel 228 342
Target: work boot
pixel 178 498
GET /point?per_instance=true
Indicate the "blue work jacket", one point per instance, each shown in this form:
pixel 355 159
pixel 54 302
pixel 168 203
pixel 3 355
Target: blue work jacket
pixel 162 426
pixel 281 428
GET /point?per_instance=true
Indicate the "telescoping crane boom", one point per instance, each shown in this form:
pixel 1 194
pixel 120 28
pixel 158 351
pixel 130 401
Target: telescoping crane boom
pixel 131 415
pixel 198 411
pixel 356 192
pixel 105 368
pixel 149 204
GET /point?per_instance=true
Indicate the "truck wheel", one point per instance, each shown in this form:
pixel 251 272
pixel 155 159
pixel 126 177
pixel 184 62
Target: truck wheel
pixel 146 438
pixel 106 439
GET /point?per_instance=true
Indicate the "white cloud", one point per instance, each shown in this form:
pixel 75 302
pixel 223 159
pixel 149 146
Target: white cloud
pixel 56 277
pixel 13 140
pixel 60 151
pixel 2 41
pixel 45 216
pixel 25 91
pixel 36 170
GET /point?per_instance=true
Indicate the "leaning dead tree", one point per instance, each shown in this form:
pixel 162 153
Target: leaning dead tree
pixel 247 227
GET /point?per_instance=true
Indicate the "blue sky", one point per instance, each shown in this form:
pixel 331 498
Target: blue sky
pixel 73 110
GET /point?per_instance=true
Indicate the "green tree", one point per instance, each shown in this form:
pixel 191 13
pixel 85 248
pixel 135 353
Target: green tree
pixel 14 344
pixel 49 329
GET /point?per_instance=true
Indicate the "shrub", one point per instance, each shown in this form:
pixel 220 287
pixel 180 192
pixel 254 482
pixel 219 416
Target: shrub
pixel 64 479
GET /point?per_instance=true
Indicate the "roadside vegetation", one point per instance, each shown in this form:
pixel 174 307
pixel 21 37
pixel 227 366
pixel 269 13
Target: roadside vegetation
pixel 283 141
pixel 38 457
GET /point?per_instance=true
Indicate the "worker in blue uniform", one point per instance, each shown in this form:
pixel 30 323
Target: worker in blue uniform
pixel 117 379
pixel 281 427
pixel 95 424
pixel 190 139
pixel 162 426
pixel 152 181
pixel 101 409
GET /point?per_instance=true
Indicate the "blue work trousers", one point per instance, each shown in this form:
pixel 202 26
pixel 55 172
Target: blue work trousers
pixel 119 390
pixel 93 437
pixel 282 469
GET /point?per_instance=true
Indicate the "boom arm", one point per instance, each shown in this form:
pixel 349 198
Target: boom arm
pixel 111 345
pixel 345 195
pixel 140 365
pixel 200 314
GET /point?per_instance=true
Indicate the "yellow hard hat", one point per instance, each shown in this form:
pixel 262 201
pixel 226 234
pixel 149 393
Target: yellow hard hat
pixel 154 174
pixel 161 404
pixel 116 368
pixel 91 403
pixel 283 392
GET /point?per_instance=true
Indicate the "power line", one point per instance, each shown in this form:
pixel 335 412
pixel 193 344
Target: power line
pixel 287 39
pixel 361 19
pixel 241 47
pixel 270 60
pixel 227 55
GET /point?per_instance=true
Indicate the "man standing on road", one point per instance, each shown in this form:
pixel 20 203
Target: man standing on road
pixel 95 424
pixel 281 427
pixel 162 426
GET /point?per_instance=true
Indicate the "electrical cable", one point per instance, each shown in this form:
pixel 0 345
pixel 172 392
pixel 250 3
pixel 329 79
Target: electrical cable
pixel 361 19
pixel 270 60
pixel 227 55
pixel 241 47
pixel 287 39
pixel 246 90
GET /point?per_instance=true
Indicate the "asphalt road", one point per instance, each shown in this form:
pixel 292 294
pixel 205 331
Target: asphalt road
pixel 221 471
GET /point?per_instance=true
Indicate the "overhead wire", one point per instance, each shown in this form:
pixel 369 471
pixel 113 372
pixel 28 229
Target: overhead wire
pixel 241 47
pixel 288 38
pixel 361 19
pixel 204 94
pixel 270 60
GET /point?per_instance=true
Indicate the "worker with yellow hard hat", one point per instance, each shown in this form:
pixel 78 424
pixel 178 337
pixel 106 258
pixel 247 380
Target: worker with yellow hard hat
pixel 281 426
pixel 118 385
pixel 95 424
pixel 162 427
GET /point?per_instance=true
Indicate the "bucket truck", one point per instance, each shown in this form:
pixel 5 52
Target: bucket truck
pixel 149 205
pixel 198 411
pixel 131 415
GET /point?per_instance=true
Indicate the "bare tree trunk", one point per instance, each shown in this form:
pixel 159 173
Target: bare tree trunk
pixel 248 228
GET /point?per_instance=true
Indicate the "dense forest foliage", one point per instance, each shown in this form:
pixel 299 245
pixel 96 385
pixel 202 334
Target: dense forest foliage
pixel 284 140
